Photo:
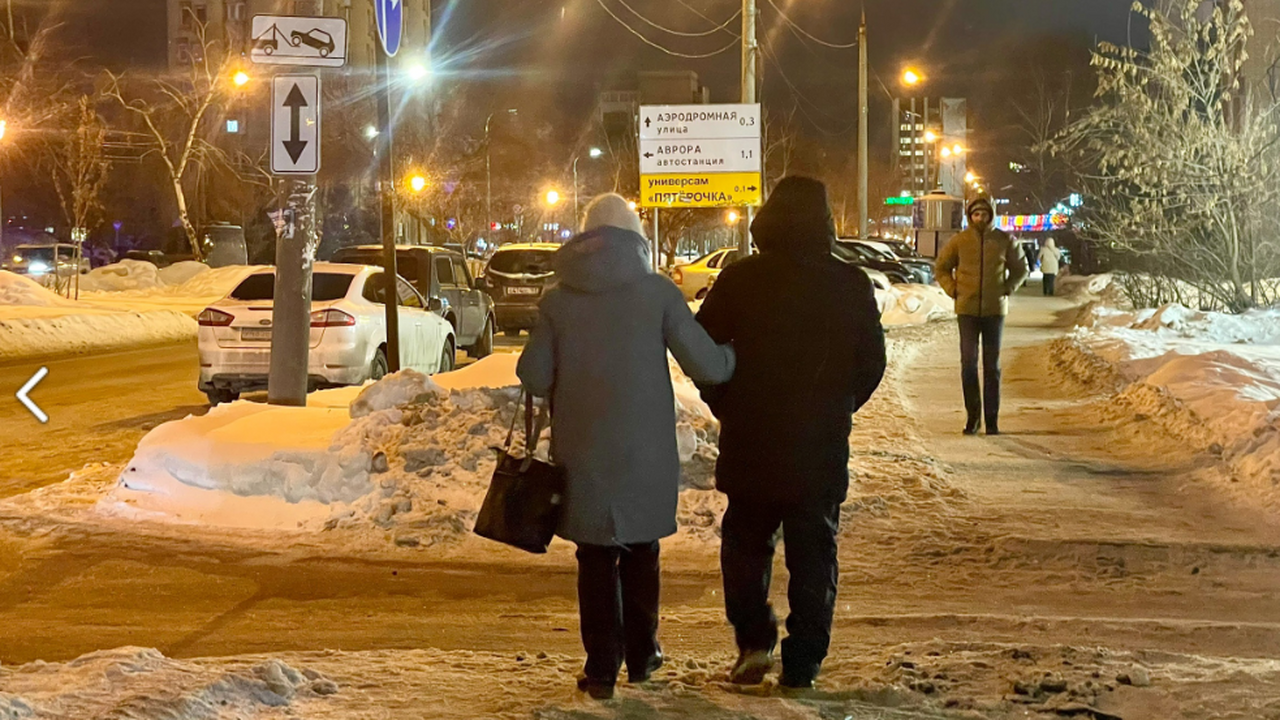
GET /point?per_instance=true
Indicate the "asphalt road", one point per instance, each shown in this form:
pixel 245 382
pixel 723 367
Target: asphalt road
pixel 99 406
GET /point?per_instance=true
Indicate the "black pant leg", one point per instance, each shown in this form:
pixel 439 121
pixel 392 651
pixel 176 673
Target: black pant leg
pixel 641 588
pixel 600 610
pixel 748 539
pixel 809 544
pixel 970 330
pixel 992 337
pixel 1050 281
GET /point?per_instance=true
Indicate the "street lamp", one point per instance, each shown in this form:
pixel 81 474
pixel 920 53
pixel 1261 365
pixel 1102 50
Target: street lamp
pixel 631 205
pixel 912 77
pixel 241 78
pixel 553 197
pixel 970 178
pixel 417 183
pixel 930 136
pixel 593 153
pixel 488 169
pixel 731 217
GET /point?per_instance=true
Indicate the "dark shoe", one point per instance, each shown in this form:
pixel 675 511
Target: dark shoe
pixel 791 682
pixel 635 677
pixel 972 427
pixel 751 667
pixel 597 689
pixel 993 427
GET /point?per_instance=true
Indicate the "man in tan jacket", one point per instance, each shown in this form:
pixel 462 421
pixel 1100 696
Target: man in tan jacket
pixel 980 268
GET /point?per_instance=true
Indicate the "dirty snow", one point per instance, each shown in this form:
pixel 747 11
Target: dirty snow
pixel 916 304
pixel 1210 378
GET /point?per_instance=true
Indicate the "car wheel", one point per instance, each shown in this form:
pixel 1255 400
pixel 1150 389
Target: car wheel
pixel 378 369
pixel 448 358
pixel 484 344
pixel 221 396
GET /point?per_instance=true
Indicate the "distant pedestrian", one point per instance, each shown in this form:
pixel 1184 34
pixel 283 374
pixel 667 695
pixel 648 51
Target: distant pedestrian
pixel 811 351
pixel 599 352
pixel 980 268
pixel 1050 256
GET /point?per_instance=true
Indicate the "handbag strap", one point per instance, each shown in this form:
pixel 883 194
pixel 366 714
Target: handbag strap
pixel 525 399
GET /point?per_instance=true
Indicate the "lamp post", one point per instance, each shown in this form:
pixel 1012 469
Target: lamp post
pixel 488 170
pixel 593 153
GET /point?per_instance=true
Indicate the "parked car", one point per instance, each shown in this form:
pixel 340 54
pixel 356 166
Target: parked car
pixel 442 275
pixel 921 270
pixel 856 253
pixel 159 258
pixel 42 260
pixel 695 278
pixel 348 332
pixel 516 277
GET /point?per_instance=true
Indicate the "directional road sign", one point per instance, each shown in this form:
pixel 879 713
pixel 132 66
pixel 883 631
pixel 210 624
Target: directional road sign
pixel 389 15
pixel 295 125
pixel 712 190
pixel 700 156
pixel 292 40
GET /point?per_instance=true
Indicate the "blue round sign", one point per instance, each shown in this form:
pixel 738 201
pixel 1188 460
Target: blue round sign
pixel 390 19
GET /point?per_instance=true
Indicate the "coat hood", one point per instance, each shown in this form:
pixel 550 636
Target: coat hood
pixel 979 203
pixel 603 259
pixel 796 220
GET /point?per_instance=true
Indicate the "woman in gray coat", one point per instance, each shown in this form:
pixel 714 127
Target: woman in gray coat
pixel 599 352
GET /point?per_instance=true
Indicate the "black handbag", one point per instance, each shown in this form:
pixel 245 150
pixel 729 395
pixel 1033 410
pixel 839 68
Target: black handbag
pixel 522 507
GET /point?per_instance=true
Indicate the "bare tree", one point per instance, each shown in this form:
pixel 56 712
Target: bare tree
pixel 1183 171
pixel 175 115
pixel 80 166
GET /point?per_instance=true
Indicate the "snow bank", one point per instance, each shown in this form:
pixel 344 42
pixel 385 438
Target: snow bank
pixel 21 290
pixel 412 456
pixel 142 683
pixel 1210 378
pixel 120 276
pixel 27 331
pixel 916 305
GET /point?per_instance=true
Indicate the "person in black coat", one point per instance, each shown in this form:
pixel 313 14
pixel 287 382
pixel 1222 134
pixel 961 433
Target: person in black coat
pixel 811 351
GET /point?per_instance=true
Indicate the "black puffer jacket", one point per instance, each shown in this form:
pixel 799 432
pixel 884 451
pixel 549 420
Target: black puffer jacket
pixel 810 351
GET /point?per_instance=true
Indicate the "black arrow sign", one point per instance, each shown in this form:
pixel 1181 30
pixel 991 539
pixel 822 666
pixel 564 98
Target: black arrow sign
pixel 648 155
pixel 752 188
pixel 295 145
pixel 646 122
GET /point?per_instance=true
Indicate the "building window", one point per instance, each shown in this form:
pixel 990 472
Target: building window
pixel 185 15
pixel 235 11
pixel 202 14
pixel 233 126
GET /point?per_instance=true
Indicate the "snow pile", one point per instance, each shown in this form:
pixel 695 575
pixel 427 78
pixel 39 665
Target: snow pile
pixel 21 290
pixel 28 332
pixel 181 272
pixel 916 305
pixel 412 456
pixel 1210 378
pixel 142 683
pixel 120 276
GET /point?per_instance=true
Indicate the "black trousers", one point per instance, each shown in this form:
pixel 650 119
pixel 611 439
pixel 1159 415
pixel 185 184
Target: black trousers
pixel 749 537
pixel 1049 282
pixel 987 332
pixel 618 589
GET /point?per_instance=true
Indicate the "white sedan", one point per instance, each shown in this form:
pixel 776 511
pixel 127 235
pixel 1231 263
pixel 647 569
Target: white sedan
pixel 348 332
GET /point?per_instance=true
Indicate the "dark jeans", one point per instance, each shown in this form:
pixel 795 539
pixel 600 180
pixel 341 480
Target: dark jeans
pixel 749 536
pixel 618 588
pixel 988 330
pixel 1049 281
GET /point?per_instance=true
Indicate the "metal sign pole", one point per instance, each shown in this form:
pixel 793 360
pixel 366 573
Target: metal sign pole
pixel 387 188
pixel 288 381
pixel 657 244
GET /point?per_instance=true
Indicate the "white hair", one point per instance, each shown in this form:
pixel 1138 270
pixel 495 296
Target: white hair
pixel 611 210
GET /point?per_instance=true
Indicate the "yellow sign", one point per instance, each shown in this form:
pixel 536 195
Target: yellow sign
pixel 712 190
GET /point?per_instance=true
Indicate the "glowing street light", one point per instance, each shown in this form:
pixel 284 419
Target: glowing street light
pixel 957 149
pixel 945 152
pixel 241 78
pixel 911 77
pixel 417 183
pixel 553 198
pixel 631 205
pixel 371 132
pixel 595 153
pixel 732 217
pixel 419 73
pixel 970 178
pixel 930 136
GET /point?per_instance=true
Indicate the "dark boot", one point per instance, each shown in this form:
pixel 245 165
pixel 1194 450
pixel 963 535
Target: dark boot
pixel 596 688
pixel 972 426
pixel 993 426
pixel 751 667
pixel 641 674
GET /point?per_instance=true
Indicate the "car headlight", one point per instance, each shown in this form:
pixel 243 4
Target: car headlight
pixel 37 268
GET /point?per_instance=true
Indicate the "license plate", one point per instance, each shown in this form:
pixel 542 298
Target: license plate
pixel 522 291
pixel 255 334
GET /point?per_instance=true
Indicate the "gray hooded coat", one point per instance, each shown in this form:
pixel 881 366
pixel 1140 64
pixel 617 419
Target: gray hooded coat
pixel 599 352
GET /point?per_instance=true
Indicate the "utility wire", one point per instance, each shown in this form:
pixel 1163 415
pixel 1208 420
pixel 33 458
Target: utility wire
pixel 669 51
pixel 808 34
pixel 680 33
pixel 803 100
pixel 703 15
